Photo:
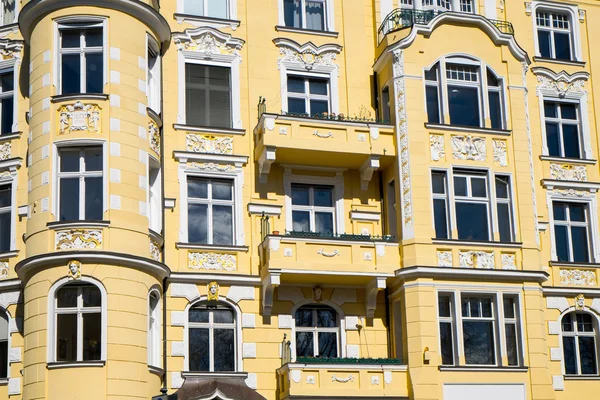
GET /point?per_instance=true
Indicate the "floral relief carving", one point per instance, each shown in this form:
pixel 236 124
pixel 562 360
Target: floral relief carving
pixel 476 259
pixel 500 154
pixel 567 172
pixel 571 192
pixel 212 261
pixel 509 261
pixel 209 41
pixel 5 151
pixel 444 258
pixel 79 117
pixel 78 239
pixel 468 148
pixel 210 166
pixel 580 277
pixel 561 85
pixel 154 137
pixel 308 57
pixel 209 144
pixel 438 151
pixel 154 250
pixel 4 269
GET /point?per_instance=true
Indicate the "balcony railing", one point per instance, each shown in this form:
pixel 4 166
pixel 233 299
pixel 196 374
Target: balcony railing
pixel 341 236
pixel 402 18
pixel 346 361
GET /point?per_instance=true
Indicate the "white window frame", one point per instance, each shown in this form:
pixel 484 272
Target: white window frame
pixel 8 340
pixel 239 364
pixel 154 331
pixel 328 9
pixel 153 75
pixel 315 330
pixel 13 65
pixel 231 10
pixel 573 12
pixel 312 209
pixel 52 313
pixel 338 195
pixel 232 171
pixel 307 96
pixel 78 143
pixel 66 23
pixel 11 180
pixel 452 320
pixel 16 19
pixel 6 95
pixel 154 196
pixel 579 122
pixel 596 322
pixel 570 224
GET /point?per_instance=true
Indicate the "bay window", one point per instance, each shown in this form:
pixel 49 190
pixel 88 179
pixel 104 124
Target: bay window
pixel 81 58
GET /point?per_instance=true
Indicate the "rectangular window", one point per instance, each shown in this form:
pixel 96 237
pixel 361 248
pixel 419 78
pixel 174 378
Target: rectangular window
pixel 5 217
pixel 562 129
pixel 81 58
pixel 466 6
pixel 80 184
pixel 391 209
pixel 478 330
pixel 9 11
pixel 504 208
pixel 554 35
pixel 511 329
pixel 385 105
pixel 308 96
pixel 305 14
pixel 313 209
pixel 153 78
pixel 207 8
pixel 210 211
pixel 7 95
pixel 495 100
pixel 208 96
pixel 432 95
pixel 445 313
pixel 154 329
pixel 472 205
pixel 155 197
pixel 463 94
pixel 440 204
pixel 571 231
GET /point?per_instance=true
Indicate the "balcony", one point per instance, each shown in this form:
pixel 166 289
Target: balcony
pixel 308 258
pixel 401 18
pixel 343 378
pixel 323 141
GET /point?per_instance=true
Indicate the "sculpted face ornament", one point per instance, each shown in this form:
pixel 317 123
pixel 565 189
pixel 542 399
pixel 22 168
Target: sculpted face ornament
pixel 318 294
pixel 580 302
pixel 213 291
pixel 74 270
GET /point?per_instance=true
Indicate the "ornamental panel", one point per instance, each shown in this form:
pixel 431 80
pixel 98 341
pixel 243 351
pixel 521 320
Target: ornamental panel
pixel 212 261
pixel 476 259
pixel 79 117
pixel 154 137
pixel 209 144
pixel 579 277
pixel 444 258
pixel 154 250
pixel 567 172
pixel 5 151
pixel 72 239
pixel 468 148
pixel 436 143
pixel 500 153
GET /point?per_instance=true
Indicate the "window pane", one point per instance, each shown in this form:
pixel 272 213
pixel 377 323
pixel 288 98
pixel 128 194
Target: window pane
pixel 69 199
pixel 217 9
pixel 567 323
pixel 580 244
pixel 224 351
pixel 577 212
pixel 292 16
pixel 552 139
pixel 66 297
pixel 301 221
pixel 478 187
pixel 295 84
pixel 71 73
pixel 562 45
pixel 464 105
pixel 323 197
pixel 433 105
pixel 511 344
pixel 446 343
pixel 560 211
pixel 222 225
pixel 326 319
pixel 92 336
pixel 568 111
pixel 509 307
pixel 328 344
pixel 550 110
pixel 4 359
pixel 70 38
pixel 193 7
pixel 319 107
pixel 93 37
pixel 7 116
pixel 315 15
pixel 486 307
pixel 587 355
pixel 584 323
pixel 94 74
pixel 304 317
pixel 219 109
pixel 460 186
pixel 93 159
pixel 296 106
pixel 66 337
pixel 5 196
pixel 544 43
pixel 318 86
pixel 440 219
pixel 197 223
pixel 69 161
pixel 198 350
pixel 570 359
pixel 5 230
pixel 495 110
pixel 444 306
pixel 478 342
pixel 431 75
pixel 324 223
pixel 571 141
pixel 91 296
pixel 222 190
pixel 198 315
pixel 221 316
pixel 502 187
pixel 93 198
pixel 562 243
pixel 438 182
pixel 304 344
pixel 472 221
pixel 198 188
pixel 300 195
pixel 504 223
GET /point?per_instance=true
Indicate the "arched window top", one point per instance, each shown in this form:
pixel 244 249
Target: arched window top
pixel 317 331
pixel 579 333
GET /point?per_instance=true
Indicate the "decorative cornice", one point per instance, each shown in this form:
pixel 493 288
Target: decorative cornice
pixel 308 55
pixel 495 275
pixel 562 82
pixel 208 41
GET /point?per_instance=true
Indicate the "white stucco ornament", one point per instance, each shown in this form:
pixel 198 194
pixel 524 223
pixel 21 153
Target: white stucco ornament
pixel 74 270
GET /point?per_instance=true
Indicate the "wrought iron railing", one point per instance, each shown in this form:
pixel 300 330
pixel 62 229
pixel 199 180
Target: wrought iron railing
pixel 340 236
pixel 331 360
pixel 338 117
pixel 401 18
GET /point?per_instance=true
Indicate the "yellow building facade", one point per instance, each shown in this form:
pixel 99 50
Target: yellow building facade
pixel 299 199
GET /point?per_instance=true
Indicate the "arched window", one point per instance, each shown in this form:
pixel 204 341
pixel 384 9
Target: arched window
pixel 579 344
pixel 154 329
pixel 317 331
pixel 4 335
pixel 78 313
pixel 211 338
pixel 467 90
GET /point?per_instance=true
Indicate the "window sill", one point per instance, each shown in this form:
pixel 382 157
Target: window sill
pixel 186 374
pixel 582 378
pixel 220 22
pixel 75 364
pixel 155 116
pixel 555 183
pixel 470 129
pixel 556 61
pixel 9 27
pixel 516 245
pixel 9 254
pixel 78 96
pixel 3 381
pixel 568 160
pixel 482 368
pixel 77 224
pixel 573 264
pixel 156 370
pixel 10 136
pixel 281 28
pixel 194 246
pixel 195 128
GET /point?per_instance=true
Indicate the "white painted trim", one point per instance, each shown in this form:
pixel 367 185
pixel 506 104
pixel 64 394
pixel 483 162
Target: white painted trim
pixel 222 278
pixel 154 354
pixel 571 309
pixel 365 215
pixel 572 10
pixel 12 181
pixel 267 209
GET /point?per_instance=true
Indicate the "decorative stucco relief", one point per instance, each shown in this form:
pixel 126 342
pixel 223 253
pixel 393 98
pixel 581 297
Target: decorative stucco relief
pixel 571 193
pixel 444 258
pixel 468 148
pixel 561 85
pixel 524 69
pixel 5 151
pixel 308 55
pixel 10 49
pixel 4 269
pixel 438 151
pixel 208 41
pixel 567 172
pixel 509 261
pixel 154 137
pixel 476 259
pixel 79 117
pixel 212 261
pixel 72 239
pixel 210 166
pixel 209 144
pixel 500 153
pixel 580 277
pixel 154 250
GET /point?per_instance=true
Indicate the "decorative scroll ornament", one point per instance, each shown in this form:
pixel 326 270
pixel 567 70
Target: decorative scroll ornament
pixel 74 270
pixel 154 250
pixel 580 302
pixel 307 55
pixel 212 261
pixel 10 49
pixel 567 172
pixel 500 154
pixel 4 269
pixel 330 254
pixel 213 291
pixel 349 378
pixel 509 261
pixel 209 144
pixel 154 137
pixel 79 117
pixel 468 148
pixel 5 151
pixel 561 85
pixel 208 41
pixel 438 151
pixel 580 277
pixel 322 135
pixel 78 239
pixel 444 258
pixel 476 259
pixel 571 192
pixel 210 166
